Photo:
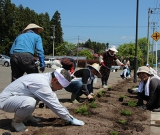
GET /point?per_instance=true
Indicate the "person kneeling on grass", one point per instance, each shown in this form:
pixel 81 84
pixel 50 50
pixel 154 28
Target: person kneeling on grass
pixel 149 90
pixel 83 82
pixel 22 95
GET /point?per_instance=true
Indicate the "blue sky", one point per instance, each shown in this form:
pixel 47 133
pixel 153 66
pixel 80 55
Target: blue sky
pixel 112 21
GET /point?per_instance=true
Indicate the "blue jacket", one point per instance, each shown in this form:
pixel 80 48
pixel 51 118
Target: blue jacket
pixel 29 42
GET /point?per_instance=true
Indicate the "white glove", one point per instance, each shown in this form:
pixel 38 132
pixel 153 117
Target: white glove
pixel 75 121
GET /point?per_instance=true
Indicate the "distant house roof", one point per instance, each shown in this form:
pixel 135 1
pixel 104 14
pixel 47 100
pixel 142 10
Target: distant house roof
pixel 96 55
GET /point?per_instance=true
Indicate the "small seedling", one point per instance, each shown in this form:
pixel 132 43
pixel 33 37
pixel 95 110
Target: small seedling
pixel 113 133
pixel 109 88
pixel 122 121
pixel 93 105
pixel 125 112
pixel 132 103
pixel 83 110
pixel 99 94
pixel 122 96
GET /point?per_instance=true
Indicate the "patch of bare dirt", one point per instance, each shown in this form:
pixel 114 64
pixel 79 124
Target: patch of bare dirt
pixel 103 120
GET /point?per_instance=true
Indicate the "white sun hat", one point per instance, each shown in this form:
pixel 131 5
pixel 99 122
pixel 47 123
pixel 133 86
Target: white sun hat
pixel 113 48
pixel 96 67
pixel 33 26
pixel 56 64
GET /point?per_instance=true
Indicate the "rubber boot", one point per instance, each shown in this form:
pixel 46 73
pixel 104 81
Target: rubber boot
pixel 73 98
pixel 18 125
pixel 32 119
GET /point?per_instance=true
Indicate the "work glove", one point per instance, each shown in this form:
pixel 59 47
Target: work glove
pixel 72 70
pixel 143 107
pixel 103 64
pixel 75 121
pixel 42 69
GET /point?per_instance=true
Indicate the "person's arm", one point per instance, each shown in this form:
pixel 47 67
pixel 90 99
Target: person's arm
pixel 86 75
pixel 40 52
pixel 101 60
pixel 152 92
pixel 48 97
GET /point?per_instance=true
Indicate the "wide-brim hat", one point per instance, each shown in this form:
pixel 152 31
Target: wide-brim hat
pixel 56 64
pixel 113 48
pixel 144 69
pixel 33 26
pixel 97 68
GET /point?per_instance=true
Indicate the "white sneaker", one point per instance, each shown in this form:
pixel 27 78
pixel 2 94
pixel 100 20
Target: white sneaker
pixel 105 86
pixel 32 119
pixel 19 127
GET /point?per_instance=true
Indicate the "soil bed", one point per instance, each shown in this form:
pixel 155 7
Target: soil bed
pixel 107 118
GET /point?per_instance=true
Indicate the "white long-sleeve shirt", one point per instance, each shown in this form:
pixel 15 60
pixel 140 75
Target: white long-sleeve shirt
pixel 37 86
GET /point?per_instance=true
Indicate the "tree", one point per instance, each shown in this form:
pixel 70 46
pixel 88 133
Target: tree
pixel 86 53
pixel 56 21
pixel 128 51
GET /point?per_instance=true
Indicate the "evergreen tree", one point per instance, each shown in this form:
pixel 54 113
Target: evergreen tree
pixel 56 21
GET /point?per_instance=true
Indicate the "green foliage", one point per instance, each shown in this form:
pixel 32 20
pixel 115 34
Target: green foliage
pixel 86 53
pixel 100 93
pixel 132 103
pixel 122 96
pixel 83 110
pixel 125 112
pixel 122 121
pixel 93 105
pixel 113 133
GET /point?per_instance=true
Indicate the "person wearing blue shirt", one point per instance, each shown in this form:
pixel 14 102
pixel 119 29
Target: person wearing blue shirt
pixel 23 49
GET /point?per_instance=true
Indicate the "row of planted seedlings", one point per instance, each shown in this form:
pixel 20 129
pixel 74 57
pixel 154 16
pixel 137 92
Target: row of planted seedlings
pixel 125 112
pixel 83 109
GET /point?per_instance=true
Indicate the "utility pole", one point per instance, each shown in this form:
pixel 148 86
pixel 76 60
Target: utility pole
pixel 53 26
pixel 149 11
pixel 136 45
pixel 153 40
pixel 77 50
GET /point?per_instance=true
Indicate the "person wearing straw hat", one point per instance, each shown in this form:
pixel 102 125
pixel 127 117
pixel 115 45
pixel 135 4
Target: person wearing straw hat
pixel 107 60
pixel 83 82
pixel 21 96
pixel 148 90
pixel 22 52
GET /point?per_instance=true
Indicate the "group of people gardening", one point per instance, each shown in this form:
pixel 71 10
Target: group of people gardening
pixel 25 91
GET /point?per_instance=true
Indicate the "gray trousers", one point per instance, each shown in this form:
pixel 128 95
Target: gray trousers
pixel 23 106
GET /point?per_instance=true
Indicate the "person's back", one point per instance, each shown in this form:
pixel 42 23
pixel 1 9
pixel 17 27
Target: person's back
pixel 22 52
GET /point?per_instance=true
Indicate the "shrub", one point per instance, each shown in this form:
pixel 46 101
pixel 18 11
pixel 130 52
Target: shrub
pixel 125 112
pixel 113 133
pixel 83 110
pixel 122 96
pixel 132 103
pixel 93 105
pixel 122 121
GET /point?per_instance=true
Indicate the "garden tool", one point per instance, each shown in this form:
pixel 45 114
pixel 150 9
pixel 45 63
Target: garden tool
pixel 17 124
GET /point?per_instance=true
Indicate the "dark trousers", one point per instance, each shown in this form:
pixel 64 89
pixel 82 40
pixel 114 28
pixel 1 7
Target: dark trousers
pixel 155 103
pixel 21 63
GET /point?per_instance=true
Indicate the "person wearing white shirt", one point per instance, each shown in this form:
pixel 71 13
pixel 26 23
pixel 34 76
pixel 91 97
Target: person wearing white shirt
pixel 21 96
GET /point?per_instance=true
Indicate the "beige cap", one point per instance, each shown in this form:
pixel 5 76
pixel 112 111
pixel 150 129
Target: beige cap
pixel 33 26
pixel 144 69
pixel 96 67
